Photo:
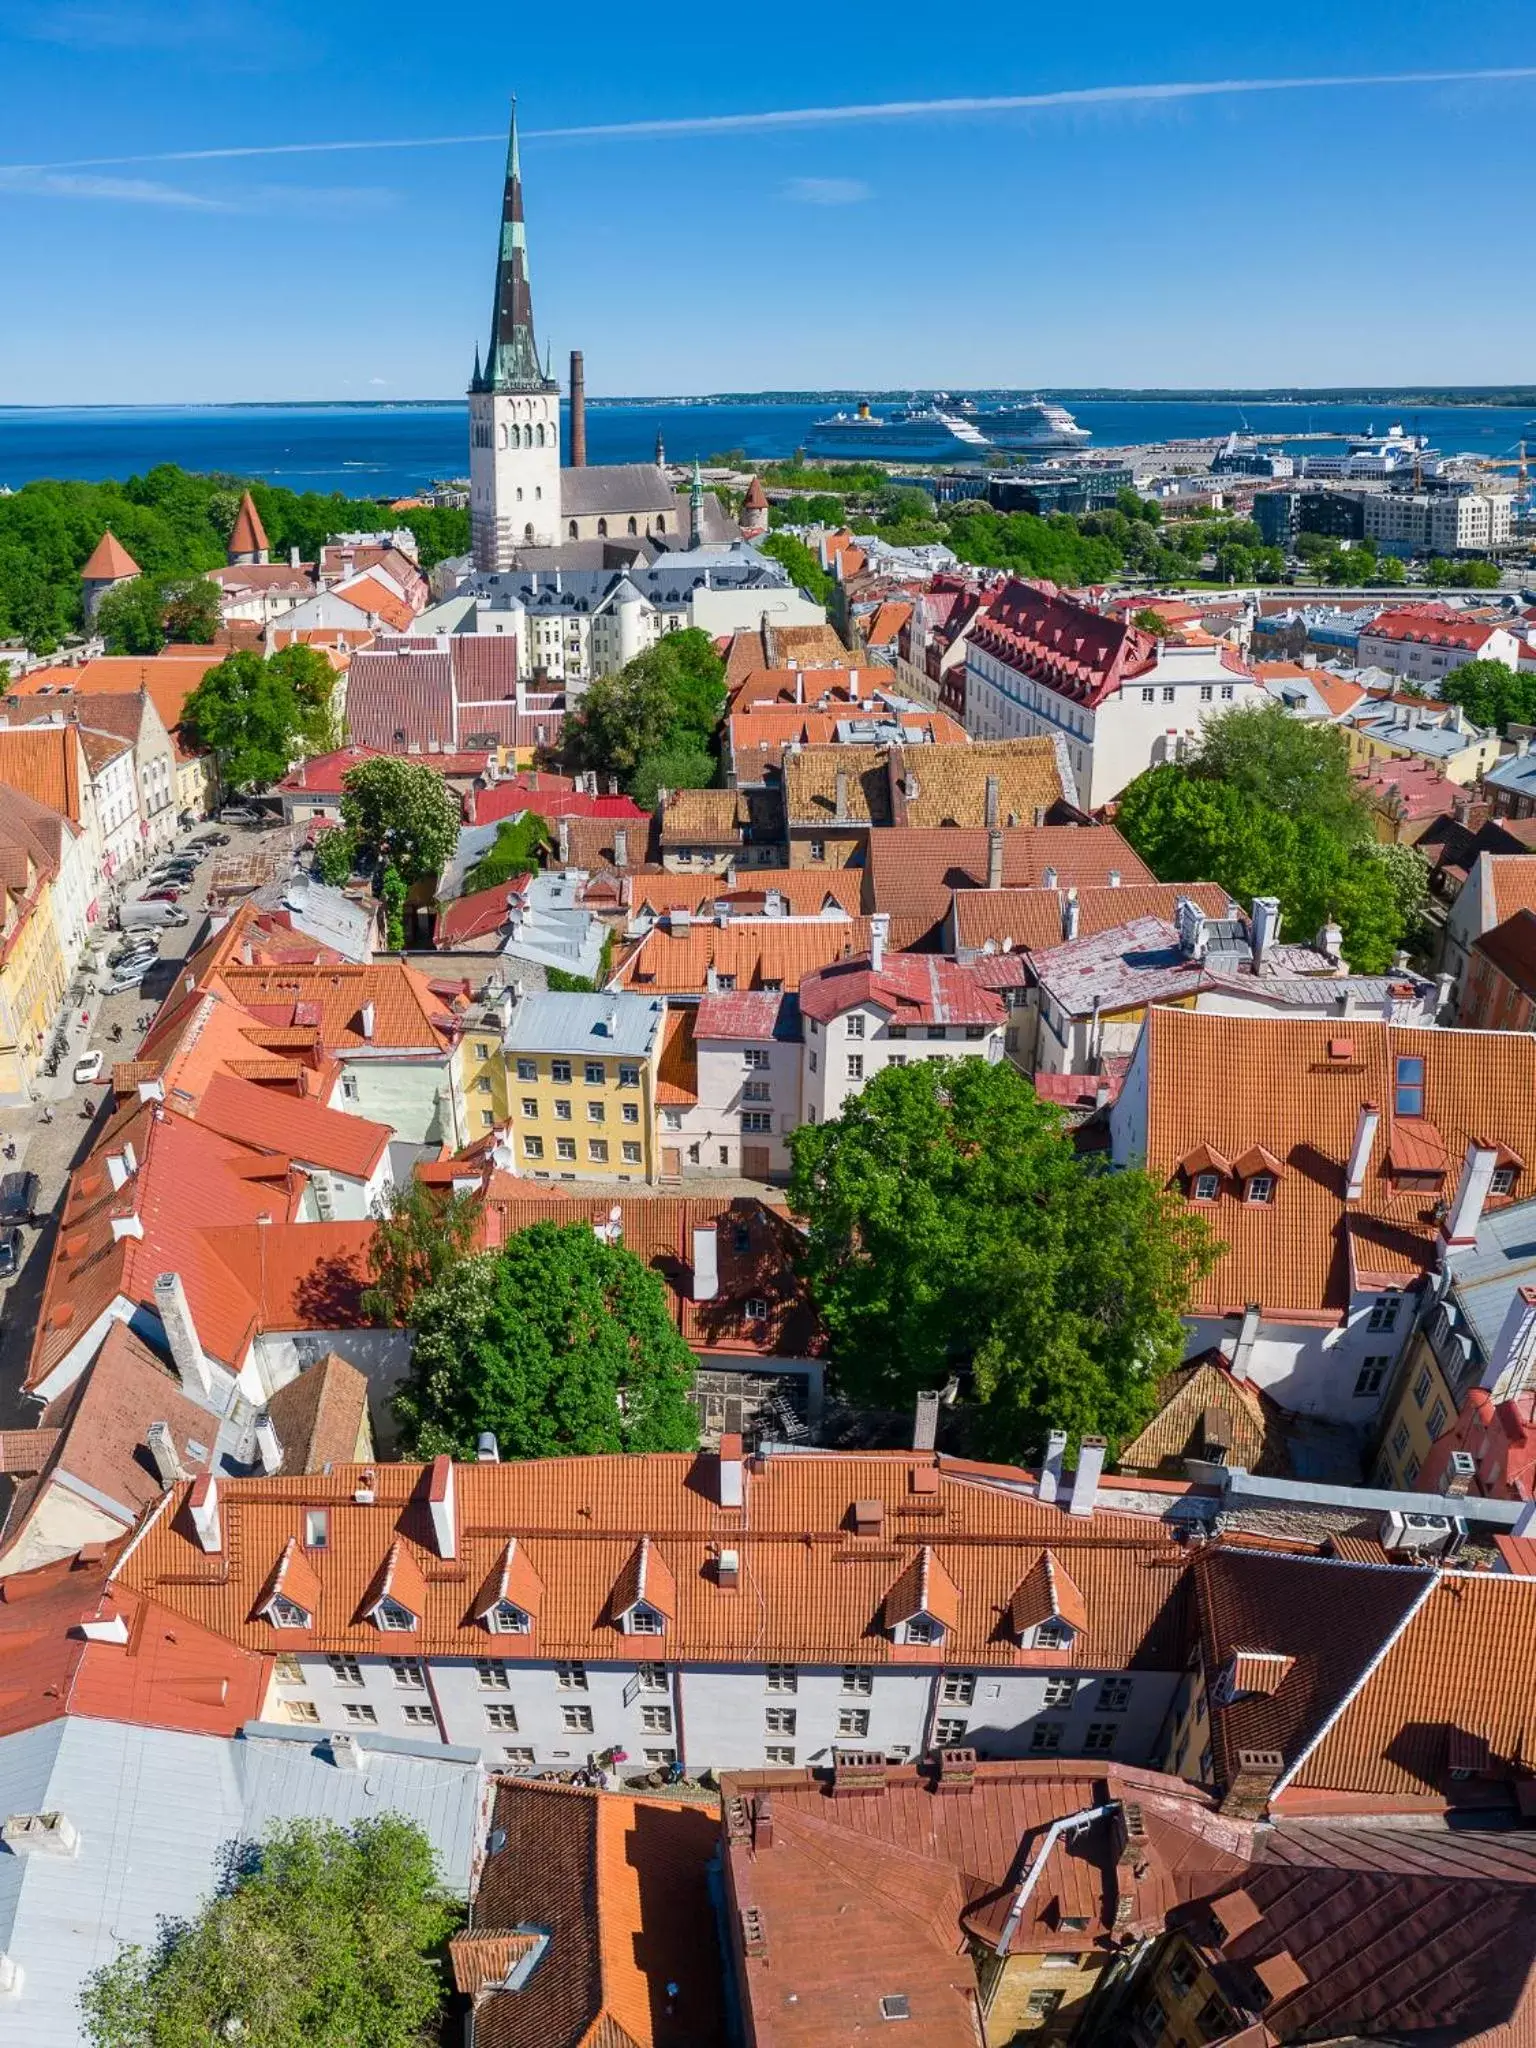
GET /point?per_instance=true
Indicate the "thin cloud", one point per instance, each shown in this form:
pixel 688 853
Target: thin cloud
pixel 810 117
pixel 827 191
pixel 78 185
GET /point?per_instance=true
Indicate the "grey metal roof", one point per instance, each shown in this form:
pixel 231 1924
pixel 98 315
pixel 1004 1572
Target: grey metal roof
pixel 618 487
pixel 1486 1277
pixel 157 1809
pixel 602 1024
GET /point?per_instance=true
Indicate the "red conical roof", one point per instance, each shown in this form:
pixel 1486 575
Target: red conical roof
pixel 249 536
pixel 109 561
pixel 756 499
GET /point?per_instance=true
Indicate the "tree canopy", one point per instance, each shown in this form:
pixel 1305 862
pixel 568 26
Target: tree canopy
pixel 952 1227
pixel 805 572
pixel 402 815
pixel 139 617
pixel 1493 696
pixel 418 1240
pixel 558 1343
pixel 257 716
pixel 514 851
pixel 1268 808
pixel 663 707
pixel 325 1937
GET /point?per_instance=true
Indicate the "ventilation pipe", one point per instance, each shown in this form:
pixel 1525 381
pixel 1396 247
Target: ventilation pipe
pixel 1049 1487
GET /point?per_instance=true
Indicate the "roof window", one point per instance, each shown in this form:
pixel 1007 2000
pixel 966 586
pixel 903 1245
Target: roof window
pixel 1408 1098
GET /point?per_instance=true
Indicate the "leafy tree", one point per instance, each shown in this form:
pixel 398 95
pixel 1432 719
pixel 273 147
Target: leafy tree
pixel 246 712
pixel 805 572
pixel 1407 870
pixel 666 702
pixel 131 617
pixel 418 1241
pixel 326 1937
pixel 1443 574
pixel 1492 695
pixel 1149 621
pixel 951 1226
pixel 335 855
pixel 514 851
pixel 1056 547
pixel 192 615
pixel 403 815
pixel 558 1343
pixel 392 894
pixel 308 673
pixel 1301 769
pixel 1134 506
pixel 655 772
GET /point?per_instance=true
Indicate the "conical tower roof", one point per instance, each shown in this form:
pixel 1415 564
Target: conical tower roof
pixel 512 363
pixel 110 561
pixel 249 536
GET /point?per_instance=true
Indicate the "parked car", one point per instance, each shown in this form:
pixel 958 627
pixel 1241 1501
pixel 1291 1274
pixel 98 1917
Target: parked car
pixel 138 916
pixel 130 974
pixel 239 814
pixel 18 1198
pixel 87 1068
pixel 11 1248
pixel 170 893
pixel 212 839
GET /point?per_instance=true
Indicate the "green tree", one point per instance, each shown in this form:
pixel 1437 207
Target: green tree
pixel 392 894
pixel 952 1227
pixel 1189 829
pixel 805 572
pixel 558 1343
pixel 656 772
pixel 245 711
pixel 514 851
pixel 326 1937
pixel 419 1238
pixel 131 617
pixel 666 702
pixel 308 674
pixel 403 815
pixel 335 856
pixel 1299 768
pixel 1493 696
pixel 192 613
pixel 1147 620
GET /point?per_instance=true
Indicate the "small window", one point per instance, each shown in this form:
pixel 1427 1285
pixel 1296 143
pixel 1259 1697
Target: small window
pixel 1100 1736
pixel 629 1077
pixel 1369 1378
pixel 300 1710
pixel 756 1308
pixel 856 1681
pixel 1114 1695
pixel 285 1613
pixel 759 1121
pixel 533 1148
pixel 661 1756
pixel 783 1678
pixel 1207 1186
pixel 565 1148
pixel 1167 693
pixel 657 1720
pixel 1400 1439
pixel 853 1721
pixel 779 1720
pixel 645 1621
pixel 530 1105
pixel 1503 1182
pixel 418 1717
pixel 595 1074
pixel 856 1027
pixel 407 1673
pixel 1436 1419
pixel 576 1720
pixel 502 1717
pixel 521 1759
pixel 855 1066
pixel 1060 1692
pixel 317 1528
pixel 756 1056
pixel 1411 1471
pixel 632 1155
pixel 527 1070
pixel 287 1669
pixel 1409 1097
pixel 1043 2005
pixel 975 1031
pixel 895 2006
pixel 1421 1387
pixel 361 1714
pixel 1260 1188
pixel 492 1677
pixel 778 1753
pixel 949 1734
pixel 597 1113
pixel 571 1677
pixel 392 1616
pixel 630 1111
pixel 1045 1738
pixel 937 1031
pixel 1053 1635
pixel 651 1677
pixel 1206 693
pixel 560 1070
pixel 818 849
pixel 1183 1972
pixel 562 1109
pixel 1149 696
pixel 922 1631
pixel 345 1670
pixel 1227 693
pixel 1384 1312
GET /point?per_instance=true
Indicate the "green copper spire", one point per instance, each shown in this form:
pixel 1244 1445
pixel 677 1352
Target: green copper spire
pixel 512 363
pixel 696 507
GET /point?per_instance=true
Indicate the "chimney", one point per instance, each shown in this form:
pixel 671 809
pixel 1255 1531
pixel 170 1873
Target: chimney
pixel 1466 1210
pixel 487 1450
pixel 578 410
pixel 989 815
pixel 181 1334
pixel 152 1090
pixel 269 1449
pixel 728 1569
pixel 366 1020
pixel 564 834
pixel 1459 1475
pixel 925 1423
pixel 1114 878
pixel 1247 1338
pixel 293 558
pixel 1264 926
pixel 1085 1480
pixel 1515 1347
pixel 1193 937
pixel 706 1267
pixel 840 788
pixel 440 1506
pixel 994 858
pixel 347 1753
pixel 162 1448
pixel 762 1822
pixel 127 1226
pixel 1050 879
pixel 957 1771
pixel 620 847
pixel 1360 1151
pixel 731 1470
pixel 40 1834
pixel 879 930
pixel 1330 940
pixel 1071 916
pixel 1258 1771
pixel 1050 1469
pixel 203 1507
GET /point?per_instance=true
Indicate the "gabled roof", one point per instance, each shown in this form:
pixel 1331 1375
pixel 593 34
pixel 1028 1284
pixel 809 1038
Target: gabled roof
pixel 912 872
pixel 754 951
pixel 925 1588
pixel 1031 920
pixel 302 1130
pixel 914 988
pixel 1198 1396
pixel 321 1418
pixel 1077 652
pixel 948 785
pixel 1047 1592
pixel 45 762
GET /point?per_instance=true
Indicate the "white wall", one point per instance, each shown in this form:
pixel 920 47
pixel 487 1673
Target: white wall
pixel 713 1123
pixel 826 1082
pixel 416 1097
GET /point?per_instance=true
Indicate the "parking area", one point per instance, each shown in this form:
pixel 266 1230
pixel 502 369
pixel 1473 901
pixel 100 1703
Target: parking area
pixel 50 1136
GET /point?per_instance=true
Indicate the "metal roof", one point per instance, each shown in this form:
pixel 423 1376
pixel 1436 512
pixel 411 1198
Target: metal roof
pixel 608 1024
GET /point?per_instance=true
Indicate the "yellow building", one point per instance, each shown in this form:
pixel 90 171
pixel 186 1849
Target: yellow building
pixel 481 1080
pixel 33 976
pixel 1422 1407
pixel 581 1085
pixel 1397 730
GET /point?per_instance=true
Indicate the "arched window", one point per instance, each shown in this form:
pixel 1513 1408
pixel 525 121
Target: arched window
pixel 661 524
pixel 571 529
pixel 538 435
pixel 632 527
pixel 527 533
pixel 602 529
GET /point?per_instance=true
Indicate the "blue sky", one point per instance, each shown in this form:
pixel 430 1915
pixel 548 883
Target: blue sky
pixel 1240 237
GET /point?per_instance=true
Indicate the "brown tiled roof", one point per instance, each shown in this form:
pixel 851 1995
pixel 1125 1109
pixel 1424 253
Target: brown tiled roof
pixel 811 781
pixel 621 1885
pixel 814 1602
pixel 805 892
pixel 1510 948
pixel 108 560
pixel 714 817
pixel 1296 1087
pixel 910 872
pixel 1252 1422
pixel 248 536
pixel 1332 1617
pixel 321 1418
pixel 948 785
pixel 755 951
pixel 1031 920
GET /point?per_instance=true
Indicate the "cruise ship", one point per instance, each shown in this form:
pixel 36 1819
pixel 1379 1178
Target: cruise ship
pixel 917 433
pixel 1035 425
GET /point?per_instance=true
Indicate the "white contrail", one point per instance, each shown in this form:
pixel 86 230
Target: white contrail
pixel 810 117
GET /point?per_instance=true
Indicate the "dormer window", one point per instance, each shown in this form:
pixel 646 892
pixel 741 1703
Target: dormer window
pixel 507 1619
pixel 923 1630
pixel 1260 1188
pixel 389 1614
pixel 1053 1635
pixel 1503 1182
pixel 1207 1187
pixel 283 1613
pixel 645 1621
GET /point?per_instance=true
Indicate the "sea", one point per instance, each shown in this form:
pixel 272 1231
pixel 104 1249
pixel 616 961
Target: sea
pixel 392 450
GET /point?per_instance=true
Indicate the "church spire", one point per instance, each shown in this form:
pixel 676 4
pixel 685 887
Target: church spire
pixel 513 361
pixel 696 508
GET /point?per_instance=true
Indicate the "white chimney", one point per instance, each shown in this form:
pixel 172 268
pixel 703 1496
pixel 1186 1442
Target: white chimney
pixel 620 847
pixel 126 1226
pixel 1466 1210
pixel 989 813
pixel 1071 916
pixel 203 1507
pixel 347 1753
pixel 181 1333
pixel 162 1448
pixel 879 931
pixel 269 1449
pixel 1265 926
pixel 440 1505
pixel 564 834
pixel 995 858
pixel 487 1450
pixel 1247 1338
pixel 730 1470
pixel 1050 1470
pixel 1085 1480
pixel 1050 879
pixel 1360 1151
pixel 367 1020
pixel 706 1265
pixel 1194 939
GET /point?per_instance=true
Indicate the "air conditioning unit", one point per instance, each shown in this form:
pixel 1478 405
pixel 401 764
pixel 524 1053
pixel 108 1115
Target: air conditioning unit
pixel 1432 1535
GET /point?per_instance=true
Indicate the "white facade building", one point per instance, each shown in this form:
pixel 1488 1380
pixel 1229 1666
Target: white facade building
pixel 1442 523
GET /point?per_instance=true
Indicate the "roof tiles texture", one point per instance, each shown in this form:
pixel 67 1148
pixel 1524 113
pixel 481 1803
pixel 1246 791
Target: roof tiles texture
pixel 754 952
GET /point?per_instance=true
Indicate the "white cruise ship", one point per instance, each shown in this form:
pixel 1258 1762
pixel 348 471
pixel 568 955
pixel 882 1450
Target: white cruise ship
pixel 916 433
pixel 1035 425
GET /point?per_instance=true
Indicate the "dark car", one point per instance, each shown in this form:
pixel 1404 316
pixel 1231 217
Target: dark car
pixel 212 839
pixel 18 1197
pixel 11 1248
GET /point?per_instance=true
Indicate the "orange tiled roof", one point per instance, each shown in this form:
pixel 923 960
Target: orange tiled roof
pixel 816 1601
pixel 330 997
pixel 677 1075
pixel 1296 1087
pixel 108 560
pixel 755 952
pixel 45 762
pixel 374 597
pixel 884 627
pixel 911 871
pixel 811 780
pixel 805 893
pixel 248 536
pixel 1030 920
pixel 1513 876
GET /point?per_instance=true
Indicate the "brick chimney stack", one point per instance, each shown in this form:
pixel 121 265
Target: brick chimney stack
pixel 578 410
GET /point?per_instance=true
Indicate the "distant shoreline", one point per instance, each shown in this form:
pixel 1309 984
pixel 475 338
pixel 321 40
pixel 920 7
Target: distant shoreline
pixel 1491 395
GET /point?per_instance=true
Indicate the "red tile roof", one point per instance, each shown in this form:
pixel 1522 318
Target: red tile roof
pixel 479 914
pixel 248 536
pixel 1077 652
pixel 108 561
pixel 271 1121
pixel 912 872
pixel 1435 628
pixel 915 988
pixel 755 951
pixel 510 798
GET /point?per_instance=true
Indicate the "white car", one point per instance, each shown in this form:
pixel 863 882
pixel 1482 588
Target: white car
pixel 88 1068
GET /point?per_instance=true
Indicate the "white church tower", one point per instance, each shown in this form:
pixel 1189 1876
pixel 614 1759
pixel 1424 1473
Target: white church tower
pixel 514 409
